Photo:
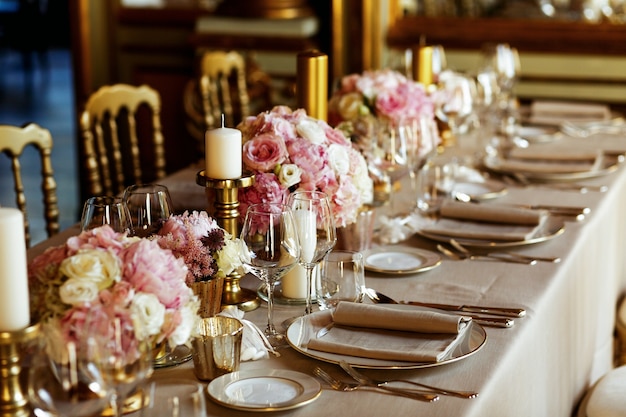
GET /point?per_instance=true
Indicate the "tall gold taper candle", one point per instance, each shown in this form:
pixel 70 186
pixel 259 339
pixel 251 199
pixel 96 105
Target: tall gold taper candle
pixel 425 65
pixel 312 83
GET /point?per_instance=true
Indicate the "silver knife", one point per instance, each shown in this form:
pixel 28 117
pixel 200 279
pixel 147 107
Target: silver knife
pixel 496 311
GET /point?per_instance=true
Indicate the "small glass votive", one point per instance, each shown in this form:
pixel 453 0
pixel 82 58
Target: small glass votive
pixel 217 348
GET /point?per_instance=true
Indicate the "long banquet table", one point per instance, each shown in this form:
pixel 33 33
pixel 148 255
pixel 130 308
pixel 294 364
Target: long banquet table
pixel 540 367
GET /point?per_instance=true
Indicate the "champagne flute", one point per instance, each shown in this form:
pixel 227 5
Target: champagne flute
pixel 149 206
pixel 101 210
pixel 316 232
pixel 270 248
pixel 62 378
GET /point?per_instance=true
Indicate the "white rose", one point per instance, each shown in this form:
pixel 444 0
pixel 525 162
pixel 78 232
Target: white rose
pixel 228 259
pixel 339 159
pixel 310 130
pixel 188 323
pixel 147 314
pixel 76 291
pixel 363 182
pixel 289 174
pixel 98 266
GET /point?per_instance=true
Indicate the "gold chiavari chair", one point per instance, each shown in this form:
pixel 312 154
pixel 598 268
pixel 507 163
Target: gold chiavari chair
pixel 13 141
pixel 122 138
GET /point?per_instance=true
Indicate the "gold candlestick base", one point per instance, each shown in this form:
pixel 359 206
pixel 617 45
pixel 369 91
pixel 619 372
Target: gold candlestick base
pixel 223 198
pixel 13 402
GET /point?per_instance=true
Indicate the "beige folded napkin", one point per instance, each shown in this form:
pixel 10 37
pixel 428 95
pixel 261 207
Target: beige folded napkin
pixel 542 162
pixel 557 112
pixel 496 222
pixel 383 332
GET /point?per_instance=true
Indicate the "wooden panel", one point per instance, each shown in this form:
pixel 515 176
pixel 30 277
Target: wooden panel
pixel 526 35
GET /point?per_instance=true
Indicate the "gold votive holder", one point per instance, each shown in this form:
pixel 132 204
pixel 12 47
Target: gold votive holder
pixel 223 201
pixel 216 350
pixel 13 401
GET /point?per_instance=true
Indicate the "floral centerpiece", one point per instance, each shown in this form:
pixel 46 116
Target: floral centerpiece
pixel 288 150
pixel 362 100
pixel 110 279
pixel 209 251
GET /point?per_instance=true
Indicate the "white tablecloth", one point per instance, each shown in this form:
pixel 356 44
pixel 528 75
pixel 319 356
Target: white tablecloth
pixel 541 366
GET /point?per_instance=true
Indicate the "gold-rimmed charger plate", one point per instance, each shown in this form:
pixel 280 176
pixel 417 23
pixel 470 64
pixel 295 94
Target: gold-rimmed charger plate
pixel 610 163
pixel 472 339
pixel 264 390
pixel 554 226
pixel 400 260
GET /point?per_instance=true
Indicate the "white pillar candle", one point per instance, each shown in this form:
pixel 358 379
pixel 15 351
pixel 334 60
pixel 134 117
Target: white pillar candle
pixel 294 283
pixel 223 153
pixel 14 300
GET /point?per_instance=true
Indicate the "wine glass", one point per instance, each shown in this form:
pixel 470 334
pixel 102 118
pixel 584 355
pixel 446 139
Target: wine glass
pixel 63 380
pixel 101 210
pixel 455 102
pixel 341 278
pixel 316 232
pixel 149 206
pixel 270 248
pixel 504 61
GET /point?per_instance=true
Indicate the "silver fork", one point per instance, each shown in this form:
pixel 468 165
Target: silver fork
pixel 338 385
pixel 380 383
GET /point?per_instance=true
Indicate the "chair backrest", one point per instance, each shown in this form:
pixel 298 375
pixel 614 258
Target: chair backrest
pixel 13 141
pixel 122 138
pixel 219 95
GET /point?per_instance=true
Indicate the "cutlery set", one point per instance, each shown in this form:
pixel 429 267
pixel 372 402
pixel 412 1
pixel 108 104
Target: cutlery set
pixel 427 393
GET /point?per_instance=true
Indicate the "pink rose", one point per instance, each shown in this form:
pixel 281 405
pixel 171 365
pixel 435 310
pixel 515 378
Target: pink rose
pixel 264 152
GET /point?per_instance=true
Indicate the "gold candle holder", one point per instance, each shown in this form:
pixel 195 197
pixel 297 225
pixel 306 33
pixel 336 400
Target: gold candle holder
pixel 312 83
pixel 13 402
pixel 223 197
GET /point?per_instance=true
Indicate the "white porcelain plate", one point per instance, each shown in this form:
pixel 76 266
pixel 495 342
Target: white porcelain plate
pixel 400 260
pixel 301 330
pixel 264 390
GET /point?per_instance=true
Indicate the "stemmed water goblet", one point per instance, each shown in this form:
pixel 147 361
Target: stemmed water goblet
pixel 316 232
pixel 126 361
pixel 149 206
pixel 109 210
pixel 63 379
pixel 270 248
